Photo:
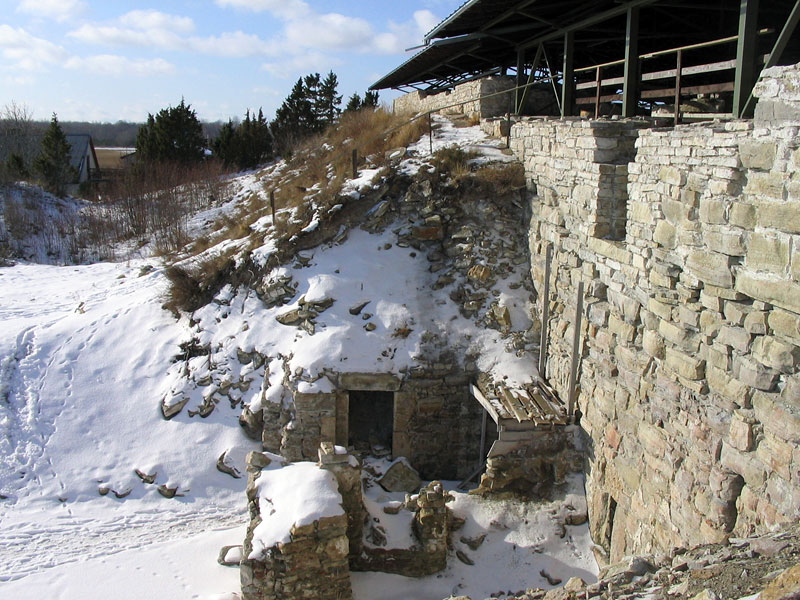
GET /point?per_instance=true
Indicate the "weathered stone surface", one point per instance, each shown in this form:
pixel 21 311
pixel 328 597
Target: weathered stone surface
pixel 779 215
pixel 768 253
pixel 776 354
pixel 780 292
pixel 685 365
pixel 400 477
pixel 710 267
pixel 784 587
pixel 757 155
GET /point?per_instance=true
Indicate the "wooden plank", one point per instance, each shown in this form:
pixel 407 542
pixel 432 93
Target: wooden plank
pixel 746 49
pixel 513 405
pixel 724 65
pixel 568 85
pixel 576 340
pixel 545 311
pixel 487 406
pixel 664 93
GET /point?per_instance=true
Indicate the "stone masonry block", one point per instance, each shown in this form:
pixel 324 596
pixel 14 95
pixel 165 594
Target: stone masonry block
pixel 665 234
pixel 745 464
pixel 685 365
pixel 778 416
pixel 653 344
pixel 735 337
pixel 785 325
pixel 776 354
pixel 742 215
pixel 783 216
pixel 753 373
pixel 769 185
pixel 780 292
pixel 740 435
pixel 725 242
pixel 757 155
pixel 712 211
pixel 710 267
pixel 768 253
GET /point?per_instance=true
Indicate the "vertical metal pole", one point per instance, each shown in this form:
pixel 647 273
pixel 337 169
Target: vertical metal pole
pixel 630 87
pixel 355 163
pixel 568 83
pixel 746 47
pixel 598 80
pixel 508 134
pixel 678 75
pixel 272 206
pixel 520 75
pixel 576 342
pixel 545 312
pixel 430 133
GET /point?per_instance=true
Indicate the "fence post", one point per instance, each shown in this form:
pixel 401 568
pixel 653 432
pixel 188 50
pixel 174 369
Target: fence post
pixel 272 206
pixel 355 163
pixel 508 131
pixel 430 134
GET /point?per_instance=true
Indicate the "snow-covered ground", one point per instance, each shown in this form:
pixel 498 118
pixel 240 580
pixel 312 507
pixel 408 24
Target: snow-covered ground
pixel 86 356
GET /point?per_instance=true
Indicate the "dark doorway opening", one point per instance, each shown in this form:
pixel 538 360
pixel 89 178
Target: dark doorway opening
pixel 371 420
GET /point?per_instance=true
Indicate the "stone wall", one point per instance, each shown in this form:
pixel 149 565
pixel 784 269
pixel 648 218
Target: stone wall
pixel 540 101
pixel 688 372
pixel 312 564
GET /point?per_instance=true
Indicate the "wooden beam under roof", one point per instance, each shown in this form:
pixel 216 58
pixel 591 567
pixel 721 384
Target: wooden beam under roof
pixel 746 48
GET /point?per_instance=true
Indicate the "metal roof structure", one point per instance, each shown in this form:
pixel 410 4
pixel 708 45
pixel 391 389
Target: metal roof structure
pixel 486 37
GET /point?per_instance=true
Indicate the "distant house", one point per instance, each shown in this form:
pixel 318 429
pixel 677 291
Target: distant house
pixel 82 157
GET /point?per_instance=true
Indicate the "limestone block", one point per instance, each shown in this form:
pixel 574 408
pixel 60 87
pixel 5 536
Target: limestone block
pixel 742 215
pixel 710 322
pixel 735 337
pixel 687 366
pixel 740 435
pixel 769 185
pixel 757 155
pixel 711 301
pixel 660 280
pixel 780 292
pixel 731 389
pixel 745 464
pixel 672 176
pixel 776 454
pixel 712 211
pixel 717 356
pixel 725 242
pixel 756 322
pixel 710 267
pixel 665 234
pixel 753 373
pixel 785 325
pixel 783 216
pixel 621 329
pixel 777 354
pixel 768 253
pixel 679 336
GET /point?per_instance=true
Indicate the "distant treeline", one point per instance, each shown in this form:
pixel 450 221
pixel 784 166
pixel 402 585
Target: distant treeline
pixel 121 134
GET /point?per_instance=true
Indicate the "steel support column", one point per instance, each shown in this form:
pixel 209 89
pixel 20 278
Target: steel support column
pixel 630 86
pixel 568 76
pixel 746 54
pixel 520 76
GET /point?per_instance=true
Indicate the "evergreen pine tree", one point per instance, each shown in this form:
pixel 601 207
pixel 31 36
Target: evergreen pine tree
pixel 52 164
pixel 354 103
pixel 370 100
pixel 329 100
pixel 173 135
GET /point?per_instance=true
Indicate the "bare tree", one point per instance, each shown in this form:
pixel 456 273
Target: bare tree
pixel 18 142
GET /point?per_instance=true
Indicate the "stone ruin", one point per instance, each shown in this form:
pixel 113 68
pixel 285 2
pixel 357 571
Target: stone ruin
pixel 315 558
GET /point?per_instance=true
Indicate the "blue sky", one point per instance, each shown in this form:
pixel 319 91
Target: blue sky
pixel 108 60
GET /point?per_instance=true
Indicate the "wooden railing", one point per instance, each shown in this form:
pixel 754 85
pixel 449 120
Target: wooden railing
pixel 675 92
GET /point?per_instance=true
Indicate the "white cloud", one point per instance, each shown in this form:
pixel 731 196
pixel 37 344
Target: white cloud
pixel 301 63
pixel 27 52
pixel 405 35
pixel 153 19
pixel 108 64
pixel 60 10
pixel 286 9
pixel 329 32
pixel 153 29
